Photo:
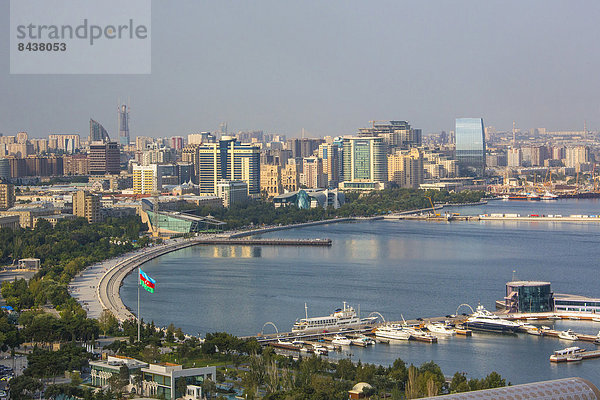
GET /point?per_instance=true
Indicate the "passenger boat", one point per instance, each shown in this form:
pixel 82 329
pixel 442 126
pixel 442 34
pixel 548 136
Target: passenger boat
pixel 568 354
pixel 395 331
pixel 483 320
pixel 344 317
pixel 549 196
pixel 341 340
pixel 567 335
pixel 440 329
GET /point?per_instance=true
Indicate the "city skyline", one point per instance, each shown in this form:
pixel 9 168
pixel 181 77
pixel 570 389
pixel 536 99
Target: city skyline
pixel 329 69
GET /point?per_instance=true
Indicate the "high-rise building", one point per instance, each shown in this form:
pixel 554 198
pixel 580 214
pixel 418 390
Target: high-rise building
pixel 76 164
pixel 575 156
pixel 97 132
pixel 303 147
pixel 470 145
pixel 66 142
pixel 312 173
pixel 7 195
pixel 4 168
pixel 230 160
pixel 123 125
pixel 200 138
pixel 514 157
pixel 22 137
pixel 405 168
pixel 365 159
pixel 329 153
pixel 104 158
pixel 86 205
pixel 396 134
pixel 146 179
pixel 177 142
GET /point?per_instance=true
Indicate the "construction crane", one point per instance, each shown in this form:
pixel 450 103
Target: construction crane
pixel 432 207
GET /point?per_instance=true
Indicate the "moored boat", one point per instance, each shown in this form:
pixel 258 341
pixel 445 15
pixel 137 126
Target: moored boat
pixel 440 329
pixel 344 317
pixel 567 335
pixel 483 320
pixel 341 340
pixel 396 332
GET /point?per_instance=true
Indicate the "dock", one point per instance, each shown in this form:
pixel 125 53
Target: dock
pixel 265 242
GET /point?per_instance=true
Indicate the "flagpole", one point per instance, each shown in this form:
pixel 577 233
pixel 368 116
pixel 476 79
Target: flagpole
pixel 138 313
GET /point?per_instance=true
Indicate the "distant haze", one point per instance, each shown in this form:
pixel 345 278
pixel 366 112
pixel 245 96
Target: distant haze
pixel 330 67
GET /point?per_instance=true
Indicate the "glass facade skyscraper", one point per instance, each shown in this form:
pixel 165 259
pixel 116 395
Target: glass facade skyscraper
pixel 364 159
pixel 470 145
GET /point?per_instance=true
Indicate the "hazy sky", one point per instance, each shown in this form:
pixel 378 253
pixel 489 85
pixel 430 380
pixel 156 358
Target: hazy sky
pixel 330 67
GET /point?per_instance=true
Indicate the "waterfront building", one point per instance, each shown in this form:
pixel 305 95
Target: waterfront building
pixel 311 198
pixel 104 158
pixel 86 205
pixel 470 145
pixel 528 297
pixel 7 195
pixel 97 132
pixel 405 168
pixel 270 180
pixel 312 173
pixel 364 162
pixel 123 125
pixel 103 370
pixel 573 303
pixel 146 179
pixel 396 134
pixel 230 160
pixel 232 192
pixel 559 389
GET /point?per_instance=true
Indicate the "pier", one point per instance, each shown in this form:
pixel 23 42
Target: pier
pixel 265 242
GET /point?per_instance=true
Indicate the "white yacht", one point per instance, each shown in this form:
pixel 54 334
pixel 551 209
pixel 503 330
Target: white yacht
pixel 483 320
pixel 395 331
pixel 440 328
pixel 341 340
pixel 567 335
pixel 419 334
pixel 344 317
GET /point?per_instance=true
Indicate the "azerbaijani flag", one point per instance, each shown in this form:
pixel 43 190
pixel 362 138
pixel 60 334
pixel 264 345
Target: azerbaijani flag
pixel 147 282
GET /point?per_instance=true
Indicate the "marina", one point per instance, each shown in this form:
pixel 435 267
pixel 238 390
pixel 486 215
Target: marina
pixel 394 267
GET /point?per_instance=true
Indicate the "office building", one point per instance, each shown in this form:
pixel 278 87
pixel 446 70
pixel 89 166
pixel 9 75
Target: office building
pixel 232 192
pixel 396 134
pixel 470 145
pixel 405 168
pixel 86 205
pixel 104 158
pixel 230 160
pixel 332 162
pixel 97 132
pixel 7 195
pixel 147 179
pixel 303 147
pixel 312 173
pixel 365 160
pixel 123 125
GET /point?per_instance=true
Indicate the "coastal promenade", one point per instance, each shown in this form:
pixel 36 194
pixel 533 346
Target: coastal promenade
pixel 97 287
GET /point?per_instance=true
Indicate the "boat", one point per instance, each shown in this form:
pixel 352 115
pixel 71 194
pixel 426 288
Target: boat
pixel 440 329
pixel 483 320
pixel 534 331
pixel 395 331
pixel 549 196
pixel 517 197
pixel 555 317
pixel 320 350
pixel 568 354
pixel 363 340
pixel 596 319
pixel 344 317
pixel 574 318
pixel 567 335
pixel 419 335
pixel 533 196
pixel 341 340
